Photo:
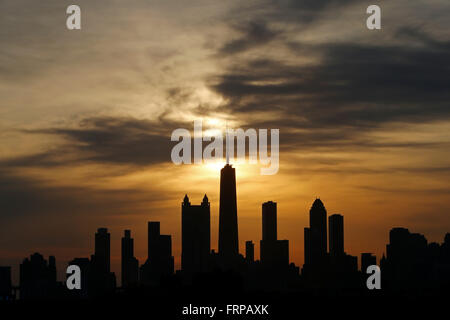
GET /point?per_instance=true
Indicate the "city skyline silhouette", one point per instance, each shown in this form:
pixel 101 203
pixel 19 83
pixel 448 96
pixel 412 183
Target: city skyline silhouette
pixel 341 161
pixel 410 262
pixel 86 124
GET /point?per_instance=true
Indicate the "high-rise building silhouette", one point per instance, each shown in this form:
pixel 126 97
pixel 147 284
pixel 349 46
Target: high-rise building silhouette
pixel 103 250
pixel 165 254
pixel 406 255
pixel 160 261
pixel 130 265
pixel 273 252
pixel 340 268
pixel 336 235
pixel 316 235
pixel 153 239
pixel 195 235
pixel 307 246
pixel 405 248
pixel 269 221
pixel 228 223
pixel 52 269
pixel 5 284
pixel 249 251
pixel 446 248
pixel 103 280
pixel 412 262
pixel 37 277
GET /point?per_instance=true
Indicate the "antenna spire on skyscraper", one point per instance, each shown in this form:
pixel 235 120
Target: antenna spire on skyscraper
pixel 226 142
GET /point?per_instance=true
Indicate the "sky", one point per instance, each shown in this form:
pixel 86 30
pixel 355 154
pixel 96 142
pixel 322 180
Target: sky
pixel 86 118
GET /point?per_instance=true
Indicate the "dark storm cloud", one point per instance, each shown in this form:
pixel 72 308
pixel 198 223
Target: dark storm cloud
pixel 107 140
pixel 299 12
pixel 415 34
pixel 254 33
pixel 24 196
pixel 111 140
pixel 255 28
pixel 49 158
pixel 353 87
pixel 304 11
pixel 308 6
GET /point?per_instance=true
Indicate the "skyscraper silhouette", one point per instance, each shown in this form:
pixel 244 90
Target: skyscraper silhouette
pixel 249 251
pixel 166 260
pixel 153 239
pixel 269 221
pixel 406 254
pixel 317 232
pixel 160 261
pixel 102 250
pixel 336 235
pixel 37 277
pixel 102 279
pixel 5 284
pixel 228 224
pixel 195 235
pixel 52 269
pixel 307 245
pixel 273 252
pixel 130 265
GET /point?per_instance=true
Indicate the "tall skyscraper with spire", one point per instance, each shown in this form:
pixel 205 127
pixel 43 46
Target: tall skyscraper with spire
pixel 228 224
